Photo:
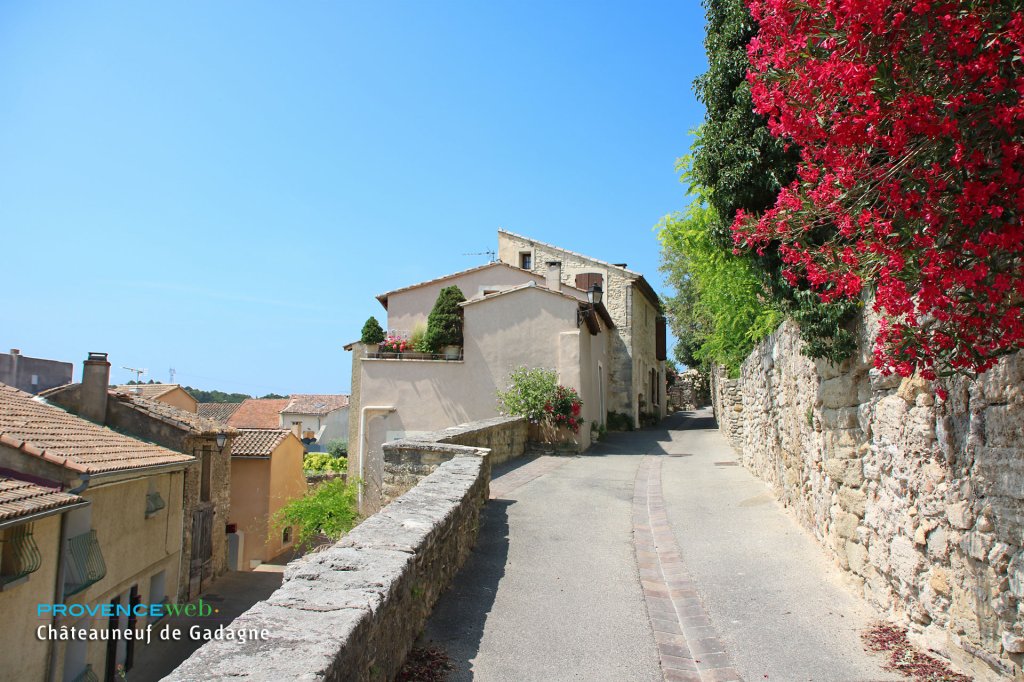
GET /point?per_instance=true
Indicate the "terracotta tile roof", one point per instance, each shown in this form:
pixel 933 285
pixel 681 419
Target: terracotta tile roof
pixel 259 413
pixel 151 391
pixel 257 442
pixel 217 411
pixel 20 498
pixel 182 419
pixel 383 298
pixel 48 432
pixel 306 403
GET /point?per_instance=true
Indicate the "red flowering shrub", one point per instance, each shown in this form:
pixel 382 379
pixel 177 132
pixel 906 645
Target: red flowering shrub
pixel 395 344
pixel 910 124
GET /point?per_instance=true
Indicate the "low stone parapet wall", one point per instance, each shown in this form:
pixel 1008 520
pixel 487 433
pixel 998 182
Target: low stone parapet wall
pixel 408 460
pixel 920 499
pixel 353 611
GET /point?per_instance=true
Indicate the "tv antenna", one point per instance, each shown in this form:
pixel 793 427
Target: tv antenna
pixel 172 372
pixel 138 376
pixel 492 254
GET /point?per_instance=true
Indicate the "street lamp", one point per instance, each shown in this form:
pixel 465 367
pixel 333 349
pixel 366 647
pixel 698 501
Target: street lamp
pixel 222 439
pixel 594 294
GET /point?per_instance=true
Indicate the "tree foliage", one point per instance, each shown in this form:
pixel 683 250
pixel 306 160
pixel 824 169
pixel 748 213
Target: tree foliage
pixel 735 155
pixel 444 324
pixel 372 332
pixel 329 509
pixel 719 310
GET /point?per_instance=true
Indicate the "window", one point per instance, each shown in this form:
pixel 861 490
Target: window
pixel 205 482
pixel 585 280
pixel 19 554
pixel 286 535
pixel 526 260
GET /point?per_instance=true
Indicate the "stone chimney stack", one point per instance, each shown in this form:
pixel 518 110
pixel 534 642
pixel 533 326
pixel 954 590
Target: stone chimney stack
pixel 95 382
pixel 553 280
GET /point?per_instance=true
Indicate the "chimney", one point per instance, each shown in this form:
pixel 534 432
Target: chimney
pixel 15 351
pixel 297 430
pixel 553 281
pixel 95 382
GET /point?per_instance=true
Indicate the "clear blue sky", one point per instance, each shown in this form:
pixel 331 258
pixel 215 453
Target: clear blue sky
pixel 223 187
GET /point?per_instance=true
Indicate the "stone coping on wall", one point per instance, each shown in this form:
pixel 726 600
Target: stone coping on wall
pixel 353 610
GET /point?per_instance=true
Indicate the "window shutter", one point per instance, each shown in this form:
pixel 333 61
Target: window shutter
pixel 659 342
pixel 586 279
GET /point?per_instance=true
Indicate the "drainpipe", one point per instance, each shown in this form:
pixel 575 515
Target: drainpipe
pixel 58 589
pixel 363 418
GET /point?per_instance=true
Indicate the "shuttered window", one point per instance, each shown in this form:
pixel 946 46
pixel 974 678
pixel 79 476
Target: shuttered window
pixel 586 279
pixel 659 341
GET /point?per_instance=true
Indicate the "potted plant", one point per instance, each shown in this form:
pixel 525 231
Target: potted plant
pixel 444 324
pixel 372 336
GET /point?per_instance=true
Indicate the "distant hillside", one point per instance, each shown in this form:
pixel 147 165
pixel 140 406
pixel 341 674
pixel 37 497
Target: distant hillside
pixel 216 396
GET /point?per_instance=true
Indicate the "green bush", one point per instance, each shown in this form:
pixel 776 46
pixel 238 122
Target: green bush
pixel 338 447
pixel 444 324
pixel 618 421
pixel 372 332
pixel 529 390
pixel 324 462
pixel 418 338
pixel 329 509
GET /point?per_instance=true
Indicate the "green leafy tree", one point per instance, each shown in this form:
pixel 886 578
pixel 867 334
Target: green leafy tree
pixel 444 324
pixel 329 509
pixel 372 332
pixel 323 462
pixel 725 301
pixel 338 447
pixel 216 396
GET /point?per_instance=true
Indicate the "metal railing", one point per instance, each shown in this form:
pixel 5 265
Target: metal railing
pixel 85 564
pixel 19 554
pixel 412 355
pixel 87 675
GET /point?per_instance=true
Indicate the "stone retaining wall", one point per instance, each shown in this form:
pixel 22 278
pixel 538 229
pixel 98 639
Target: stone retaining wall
pixel 353 611
pixel 408 460
pixel 921 500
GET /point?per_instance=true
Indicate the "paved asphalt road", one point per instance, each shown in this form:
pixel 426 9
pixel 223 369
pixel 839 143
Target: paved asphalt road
pixel 552 590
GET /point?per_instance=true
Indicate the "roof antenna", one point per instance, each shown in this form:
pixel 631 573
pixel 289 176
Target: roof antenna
pixel 172 372
pixel 492 254
pixel 138 377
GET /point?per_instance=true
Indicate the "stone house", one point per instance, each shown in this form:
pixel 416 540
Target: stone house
pixel 170 394
pixel 513 317
pixel 88 517
pixel 266 474
pixel 207 485
pixel 317 419
pixel 636 372
pixel 33 375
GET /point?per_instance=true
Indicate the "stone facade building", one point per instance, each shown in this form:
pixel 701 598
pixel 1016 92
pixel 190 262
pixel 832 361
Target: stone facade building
pixel 636 373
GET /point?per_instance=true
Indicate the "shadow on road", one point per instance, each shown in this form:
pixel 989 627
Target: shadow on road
pixel 648 441
pixel 457 624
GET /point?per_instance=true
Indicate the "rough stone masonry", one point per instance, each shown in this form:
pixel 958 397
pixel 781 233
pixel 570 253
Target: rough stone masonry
pixel 352 611
pixel 921 500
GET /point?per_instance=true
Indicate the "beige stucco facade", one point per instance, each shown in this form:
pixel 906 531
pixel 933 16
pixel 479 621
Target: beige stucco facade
pixel 260 486
pixel 180 398
pixel 23 655
pixel 633 307
pixel 140 551
pixel 529 326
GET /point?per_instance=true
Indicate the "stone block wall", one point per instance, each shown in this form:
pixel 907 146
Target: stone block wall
pixel 409 460
pixel 921 500
pixel 353 611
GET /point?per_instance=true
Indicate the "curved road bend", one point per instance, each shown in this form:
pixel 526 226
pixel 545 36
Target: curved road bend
pixel 652 557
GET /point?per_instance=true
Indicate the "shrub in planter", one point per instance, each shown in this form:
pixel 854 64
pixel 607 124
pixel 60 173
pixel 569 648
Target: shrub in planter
pixel 372 332
pixel 537 395
pixel 444 324
pixel 394 344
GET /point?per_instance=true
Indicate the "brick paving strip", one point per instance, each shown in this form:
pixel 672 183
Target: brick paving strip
pixel 689 647
pixel 506 483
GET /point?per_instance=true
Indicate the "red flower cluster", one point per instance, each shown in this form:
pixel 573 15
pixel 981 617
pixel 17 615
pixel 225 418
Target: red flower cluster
pixel 910 122
pixel 566 407
pixel 395 344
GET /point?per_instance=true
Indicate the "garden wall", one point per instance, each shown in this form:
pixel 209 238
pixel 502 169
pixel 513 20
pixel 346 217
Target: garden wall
pixel 353 611
pixel 920 500
pixel 408 460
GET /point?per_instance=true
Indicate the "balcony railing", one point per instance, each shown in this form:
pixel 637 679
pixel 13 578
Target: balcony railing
pixel 154 503
pixel 87 675
pixel 411 355
pixel 85 564
pixel 19 554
